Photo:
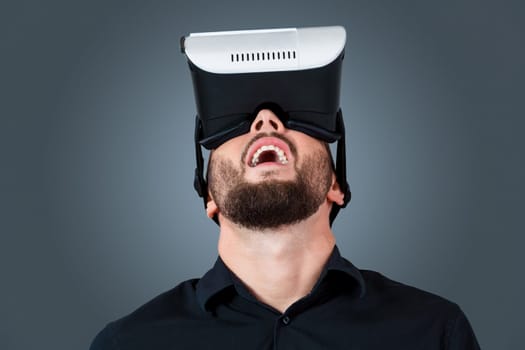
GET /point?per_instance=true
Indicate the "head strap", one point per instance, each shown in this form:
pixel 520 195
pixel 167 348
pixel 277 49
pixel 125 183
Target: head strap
pixel 340 168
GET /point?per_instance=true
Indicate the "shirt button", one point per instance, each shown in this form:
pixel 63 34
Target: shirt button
pixel 286 320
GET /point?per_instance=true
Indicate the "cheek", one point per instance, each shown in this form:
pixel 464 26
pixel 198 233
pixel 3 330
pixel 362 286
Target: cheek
pixel 229 151
pixel 312 148
pixel 316 170
pixel 233 146
pixel 222 173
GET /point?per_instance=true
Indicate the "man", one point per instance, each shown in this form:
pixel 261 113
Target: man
pixel 279 281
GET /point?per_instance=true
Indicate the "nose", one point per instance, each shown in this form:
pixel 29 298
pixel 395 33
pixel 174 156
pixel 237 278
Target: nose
pixel 266 121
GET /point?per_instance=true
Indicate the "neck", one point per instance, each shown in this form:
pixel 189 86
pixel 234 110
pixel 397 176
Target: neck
pixel 278 266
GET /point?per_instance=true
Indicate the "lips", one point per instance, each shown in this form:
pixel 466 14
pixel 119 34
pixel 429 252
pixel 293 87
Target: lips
pixel 268 150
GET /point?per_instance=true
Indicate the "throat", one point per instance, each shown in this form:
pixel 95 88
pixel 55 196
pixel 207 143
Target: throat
pixel 276 269
pixel 267 157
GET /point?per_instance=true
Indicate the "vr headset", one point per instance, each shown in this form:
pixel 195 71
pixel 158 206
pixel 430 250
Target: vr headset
pixel 295 72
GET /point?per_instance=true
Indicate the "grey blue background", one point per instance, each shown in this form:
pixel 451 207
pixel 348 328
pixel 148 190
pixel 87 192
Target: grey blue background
pixel 98 214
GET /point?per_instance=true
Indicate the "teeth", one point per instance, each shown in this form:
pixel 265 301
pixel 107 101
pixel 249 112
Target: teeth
pixel 277 150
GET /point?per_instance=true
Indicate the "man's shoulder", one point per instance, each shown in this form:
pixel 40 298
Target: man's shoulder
pixel 388 292
pixel 178 302
pixel 167 304
pixel 407 303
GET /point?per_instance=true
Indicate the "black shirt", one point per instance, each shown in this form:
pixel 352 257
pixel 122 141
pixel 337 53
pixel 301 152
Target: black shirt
pixel 347 309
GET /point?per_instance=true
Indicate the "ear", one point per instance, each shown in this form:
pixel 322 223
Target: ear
pixel 211 208
pixel 334 193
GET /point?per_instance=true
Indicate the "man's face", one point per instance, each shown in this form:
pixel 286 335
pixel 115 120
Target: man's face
pixel 269 177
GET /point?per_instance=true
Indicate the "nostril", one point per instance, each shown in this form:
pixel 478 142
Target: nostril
pixel 258 125
pixel 274 124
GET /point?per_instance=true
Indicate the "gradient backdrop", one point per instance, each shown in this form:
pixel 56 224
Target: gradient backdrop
pixel 98 214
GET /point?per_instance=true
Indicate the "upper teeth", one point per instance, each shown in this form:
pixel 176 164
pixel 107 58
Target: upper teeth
pixel 280 154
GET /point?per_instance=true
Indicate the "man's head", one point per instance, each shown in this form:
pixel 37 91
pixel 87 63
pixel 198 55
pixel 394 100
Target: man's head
pixel 294 72
pixel 271 176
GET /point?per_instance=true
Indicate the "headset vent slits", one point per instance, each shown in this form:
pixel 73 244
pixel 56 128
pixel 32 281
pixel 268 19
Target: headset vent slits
pixel 263 56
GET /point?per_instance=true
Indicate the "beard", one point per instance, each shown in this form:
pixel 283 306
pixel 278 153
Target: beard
pixel 270 203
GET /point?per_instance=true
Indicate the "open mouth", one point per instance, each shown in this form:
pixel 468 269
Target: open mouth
pixel 268 150
pixel 268 154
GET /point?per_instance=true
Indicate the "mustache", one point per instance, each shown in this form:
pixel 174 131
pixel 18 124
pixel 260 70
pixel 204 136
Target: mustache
pixel 290 144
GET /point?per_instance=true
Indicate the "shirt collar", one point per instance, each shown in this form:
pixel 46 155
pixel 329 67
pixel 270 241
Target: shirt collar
pixel 217 279
pixel 220 278
pixel 337 263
